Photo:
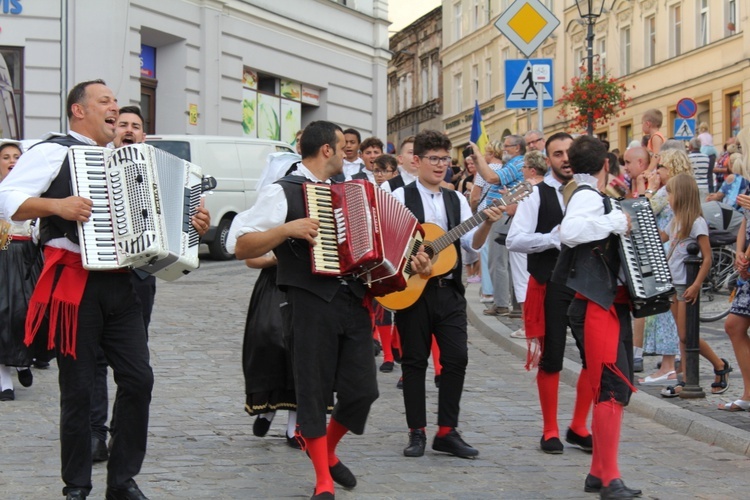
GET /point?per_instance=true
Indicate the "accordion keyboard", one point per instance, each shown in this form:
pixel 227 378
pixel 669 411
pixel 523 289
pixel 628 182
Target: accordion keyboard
pixel 98 243
pixel 320 206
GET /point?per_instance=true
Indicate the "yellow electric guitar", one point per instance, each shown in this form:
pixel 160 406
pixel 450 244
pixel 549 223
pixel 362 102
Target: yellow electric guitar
pixel 439 246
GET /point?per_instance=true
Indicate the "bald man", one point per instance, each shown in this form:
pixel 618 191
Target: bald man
pixel 636 162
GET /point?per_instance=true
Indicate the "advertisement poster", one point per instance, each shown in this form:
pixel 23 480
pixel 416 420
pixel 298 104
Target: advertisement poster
pixel 310 96
pixel 250 79
pixel 291 90
pixel 269 124
pixel 291 120
pixel 250 112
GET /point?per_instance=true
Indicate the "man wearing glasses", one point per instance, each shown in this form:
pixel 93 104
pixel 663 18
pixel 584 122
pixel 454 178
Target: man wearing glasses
pixel 534 141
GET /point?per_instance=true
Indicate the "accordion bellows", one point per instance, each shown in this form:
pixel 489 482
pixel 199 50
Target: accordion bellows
pixel 143 200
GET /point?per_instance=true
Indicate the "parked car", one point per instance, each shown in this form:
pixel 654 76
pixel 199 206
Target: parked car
pixel 236 163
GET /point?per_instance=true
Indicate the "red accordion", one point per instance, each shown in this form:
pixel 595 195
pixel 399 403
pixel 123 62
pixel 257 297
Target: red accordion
pixel 364 232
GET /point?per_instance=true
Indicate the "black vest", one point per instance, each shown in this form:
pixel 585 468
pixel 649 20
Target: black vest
pixel 591 269
pixel 53 226
pixel 540 265
pixel 360 176
pixel 413 202
pixel 396 183
pixel 295 266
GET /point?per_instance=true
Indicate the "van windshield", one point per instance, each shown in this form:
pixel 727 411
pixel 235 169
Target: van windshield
pixel 177 148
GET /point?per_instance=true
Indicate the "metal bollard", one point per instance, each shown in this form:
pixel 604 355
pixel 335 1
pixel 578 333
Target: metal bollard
pixel 692 387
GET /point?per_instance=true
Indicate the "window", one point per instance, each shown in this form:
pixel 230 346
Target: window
pixel 488 9
pixel 650 42
pixel 409 86
pixel 732 112
pixel 731 17
pixel 675 26
pixel 581 62
pixel 626 135
pixel 475 15
pixel 457 15
pixel 702 35
pixel 458 89
pixel 602 53
pixel 488 79
pixel 401 95
pixel 393 104
pixel 625 48
pixel 435 78
pixel 475 82
pixel 11 92
pixel 424 80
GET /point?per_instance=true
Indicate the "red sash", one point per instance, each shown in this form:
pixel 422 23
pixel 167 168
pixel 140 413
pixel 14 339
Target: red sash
pixel 534 323
pixel 62 300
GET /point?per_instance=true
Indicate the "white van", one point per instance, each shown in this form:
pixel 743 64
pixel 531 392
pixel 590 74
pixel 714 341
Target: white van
pixel 236 163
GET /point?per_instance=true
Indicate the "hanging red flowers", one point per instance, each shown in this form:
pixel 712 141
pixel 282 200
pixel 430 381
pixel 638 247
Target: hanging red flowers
pixel 602 96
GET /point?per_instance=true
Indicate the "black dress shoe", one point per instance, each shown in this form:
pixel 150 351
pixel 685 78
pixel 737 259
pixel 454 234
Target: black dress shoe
pixel 417 443
pixel 594 485
pixel 584 443
pixel 129 491
pixel 387 367
pixel 26 377
pixel 400 383
pixel 453 444
pixel 261 426
pixel 553 446
pixel 75 495
pixel 341 474
pixel 40 364
pixel 618 490
pixel 293 442
pixel 326 495
pixel 99 451
pixel 7 395
pixel 437 381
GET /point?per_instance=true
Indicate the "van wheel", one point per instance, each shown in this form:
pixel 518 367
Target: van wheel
pixel 218 247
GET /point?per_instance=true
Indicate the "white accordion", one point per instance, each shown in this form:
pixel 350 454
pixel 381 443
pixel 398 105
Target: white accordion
pixel 143 200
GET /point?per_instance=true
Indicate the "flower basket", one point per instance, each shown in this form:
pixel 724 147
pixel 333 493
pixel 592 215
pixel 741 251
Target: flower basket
pixel 602 96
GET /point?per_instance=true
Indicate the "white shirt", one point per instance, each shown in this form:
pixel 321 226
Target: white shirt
pixel 434 209
pixel 522 236
pixel 32 176
pixel 406 176
pixel 585 220
pixel 276 166
pixel 269 211
pixel 353 167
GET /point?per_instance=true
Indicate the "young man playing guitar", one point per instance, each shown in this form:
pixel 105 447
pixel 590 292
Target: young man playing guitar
pixel 441 309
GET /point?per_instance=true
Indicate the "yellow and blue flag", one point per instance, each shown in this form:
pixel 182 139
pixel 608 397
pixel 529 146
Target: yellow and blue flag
pixel 478 133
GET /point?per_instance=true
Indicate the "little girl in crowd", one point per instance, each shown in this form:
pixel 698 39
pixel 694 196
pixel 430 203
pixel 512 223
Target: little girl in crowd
pixel 688 226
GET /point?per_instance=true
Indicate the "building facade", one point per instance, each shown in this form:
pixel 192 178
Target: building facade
pixel 415 78
pixel 663 50
pixel 258 68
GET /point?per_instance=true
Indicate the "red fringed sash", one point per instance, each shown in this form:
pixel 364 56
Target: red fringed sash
pixel 533 320
pixel 63 300
pixel 600 340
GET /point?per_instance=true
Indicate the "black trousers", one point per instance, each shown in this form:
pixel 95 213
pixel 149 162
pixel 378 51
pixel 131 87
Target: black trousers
pixel 331 351
pixel 441 311
pixel 556 303
pixel 109 319
pixel 145 289
pixel 612 386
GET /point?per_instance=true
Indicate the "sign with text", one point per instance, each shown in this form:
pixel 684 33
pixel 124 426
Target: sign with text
pixel 520 87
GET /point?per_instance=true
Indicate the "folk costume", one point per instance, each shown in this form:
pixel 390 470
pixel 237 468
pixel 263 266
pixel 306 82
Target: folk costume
pixel 86 311
pixel 589 264
pixel 535 231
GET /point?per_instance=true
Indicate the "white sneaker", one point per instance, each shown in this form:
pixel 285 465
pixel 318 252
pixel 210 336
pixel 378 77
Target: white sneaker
pixel 486 299
pixel 519 334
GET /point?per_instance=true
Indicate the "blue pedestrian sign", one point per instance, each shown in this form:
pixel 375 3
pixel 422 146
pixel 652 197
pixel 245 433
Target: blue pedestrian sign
pixel 520 89
pixel 684 128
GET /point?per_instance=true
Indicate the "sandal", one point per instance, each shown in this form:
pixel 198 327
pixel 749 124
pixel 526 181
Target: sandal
pixel 739 405
pixel 671 391
pixel 723 383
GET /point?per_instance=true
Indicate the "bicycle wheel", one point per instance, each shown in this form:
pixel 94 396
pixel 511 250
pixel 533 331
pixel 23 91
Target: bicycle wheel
pixel 716 292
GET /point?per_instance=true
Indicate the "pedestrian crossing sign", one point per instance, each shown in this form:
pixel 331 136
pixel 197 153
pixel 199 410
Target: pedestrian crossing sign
pixel 684 128
pixel 520 89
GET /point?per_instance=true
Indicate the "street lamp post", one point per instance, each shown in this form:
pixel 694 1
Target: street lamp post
pixel 590 11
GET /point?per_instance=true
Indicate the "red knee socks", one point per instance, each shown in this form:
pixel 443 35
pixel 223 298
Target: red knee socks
pixel 436 357
pixel 549 384
pixel 606 425
pixel 335 432
pixel 584 398
pixel 317 449
pixel 384 331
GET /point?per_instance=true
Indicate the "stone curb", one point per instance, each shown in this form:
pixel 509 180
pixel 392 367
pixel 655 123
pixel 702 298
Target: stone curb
pixel 684 421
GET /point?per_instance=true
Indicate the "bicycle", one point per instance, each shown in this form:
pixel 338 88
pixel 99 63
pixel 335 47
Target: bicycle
pixel 717 291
